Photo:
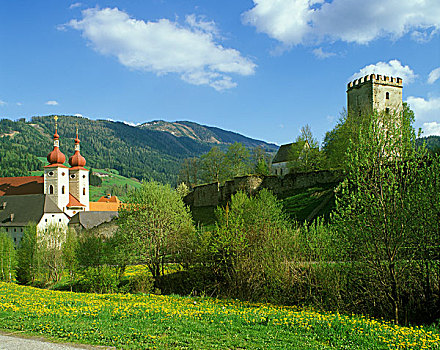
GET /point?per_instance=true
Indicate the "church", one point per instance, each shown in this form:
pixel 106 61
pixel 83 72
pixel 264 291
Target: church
pixel 55 198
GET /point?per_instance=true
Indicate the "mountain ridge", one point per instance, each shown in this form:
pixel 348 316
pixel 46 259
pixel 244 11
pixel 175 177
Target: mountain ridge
pixel 134 151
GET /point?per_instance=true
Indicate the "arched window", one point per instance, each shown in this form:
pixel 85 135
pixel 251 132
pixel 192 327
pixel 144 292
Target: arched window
pixel 84 191
pixel 62 189
pixel 51 189
pixel 387 95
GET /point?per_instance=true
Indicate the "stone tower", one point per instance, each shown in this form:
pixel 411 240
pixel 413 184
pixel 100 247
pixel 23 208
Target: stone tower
pixel 79 176
pixel 374 93
pixel 56 174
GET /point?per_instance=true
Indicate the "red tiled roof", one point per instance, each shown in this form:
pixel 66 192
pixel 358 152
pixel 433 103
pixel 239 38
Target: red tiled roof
pixel 73 202
pixel 21 185
pixel 106 199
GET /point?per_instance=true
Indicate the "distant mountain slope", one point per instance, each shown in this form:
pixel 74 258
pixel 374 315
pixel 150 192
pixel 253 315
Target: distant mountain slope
pixel 432 142
pixel 206 134
pixel 134 151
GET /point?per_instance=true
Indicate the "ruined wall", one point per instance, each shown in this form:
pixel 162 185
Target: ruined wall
pixel 214 194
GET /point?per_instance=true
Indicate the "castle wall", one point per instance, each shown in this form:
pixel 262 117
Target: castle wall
pixel 214 194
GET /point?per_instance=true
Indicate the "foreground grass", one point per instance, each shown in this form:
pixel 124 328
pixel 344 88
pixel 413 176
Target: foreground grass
pixel 152 321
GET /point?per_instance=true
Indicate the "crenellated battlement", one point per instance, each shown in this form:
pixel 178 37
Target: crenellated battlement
pixel 375 78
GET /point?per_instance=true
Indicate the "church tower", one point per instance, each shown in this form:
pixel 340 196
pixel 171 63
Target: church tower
pixel 56 174
pixel 79 176
pixel 374 92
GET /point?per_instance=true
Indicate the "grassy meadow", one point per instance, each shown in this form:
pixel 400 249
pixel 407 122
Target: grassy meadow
pixel 161 322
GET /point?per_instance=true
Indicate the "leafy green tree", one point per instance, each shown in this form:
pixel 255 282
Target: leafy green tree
pixel 237 160
pixel 70 248
pixel 213 166
pixel 251 244
pixel 28 256
pixel 376 205
pixel 8 260
pixel 261 161
pixel 304 153
pixel 154 225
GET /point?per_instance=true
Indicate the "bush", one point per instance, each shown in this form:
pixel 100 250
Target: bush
pixel 103 279
pixel 141 283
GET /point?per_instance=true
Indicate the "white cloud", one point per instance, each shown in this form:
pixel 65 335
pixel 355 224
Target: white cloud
pixel 164 46
pixel 78 115
pixel 393 68
pixel 434 75
pixel 294 22
pixel 320 53
pixel 3 103
pixel 75 5
pixel 425 110
pixel 432 128
pixel 52 103
pixel 19 104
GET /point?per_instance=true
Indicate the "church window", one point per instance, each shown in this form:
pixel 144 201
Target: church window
pixel 51 189
pixel 84 176
pixel 45 220
pixel 15 230
pixel 63 173
pixel 84 191
pixel 62 189
pixel 50 173
pixel 387 110
pixel 387 95
pixel 72 176
pixel 59 220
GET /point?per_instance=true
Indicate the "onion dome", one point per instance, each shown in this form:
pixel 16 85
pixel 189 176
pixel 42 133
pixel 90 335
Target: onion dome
pixel 77 160
pixel 56 156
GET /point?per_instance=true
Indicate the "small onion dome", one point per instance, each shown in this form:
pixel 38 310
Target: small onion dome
pixel 77 160
pixel 56 156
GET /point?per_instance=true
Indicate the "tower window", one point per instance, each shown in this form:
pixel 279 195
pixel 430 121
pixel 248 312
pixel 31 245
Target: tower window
pixel 62 189
pixel 51 189
pixel 387 110
pixel 84 176
pixel 84 191
pixel 63 173
pixel 72 176
pixel 387 95
pixel 50 173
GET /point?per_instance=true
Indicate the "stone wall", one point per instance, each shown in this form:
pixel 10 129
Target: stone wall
pixel 214 194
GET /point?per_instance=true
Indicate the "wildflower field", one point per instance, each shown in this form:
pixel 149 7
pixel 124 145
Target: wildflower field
pixel 160 322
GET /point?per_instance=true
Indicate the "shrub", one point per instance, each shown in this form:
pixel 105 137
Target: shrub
pixel 103 279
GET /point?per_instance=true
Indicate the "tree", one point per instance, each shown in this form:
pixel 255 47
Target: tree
pixel 50 244
pixel 261 161
pixel 28 261
pixel 237 160
pixel 213 166
pixel 8 261
pixel 189 172
pixel 70 248
pixel 376 205
pixel 154 225
pixel 251 244
pixel 304 153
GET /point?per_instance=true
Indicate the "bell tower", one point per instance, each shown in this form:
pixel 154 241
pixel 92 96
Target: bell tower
pixel 79 176
pixel 56 174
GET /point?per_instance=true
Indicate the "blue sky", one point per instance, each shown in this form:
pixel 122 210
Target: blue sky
pixel 263 68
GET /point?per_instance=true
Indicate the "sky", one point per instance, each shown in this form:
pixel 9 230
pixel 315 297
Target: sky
pixel 262 68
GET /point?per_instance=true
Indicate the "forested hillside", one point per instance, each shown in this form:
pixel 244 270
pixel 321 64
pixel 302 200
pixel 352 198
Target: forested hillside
pixel 137 152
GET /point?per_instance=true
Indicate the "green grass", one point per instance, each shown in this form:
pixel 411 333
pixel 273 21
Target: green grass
pixel 114 179
pixel 164 322
pixel 310 203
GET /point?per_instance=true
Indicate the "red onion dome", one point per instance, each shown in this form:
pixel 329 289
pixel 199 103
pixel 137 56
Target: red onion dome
pixel 77 160
pixel 56 156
